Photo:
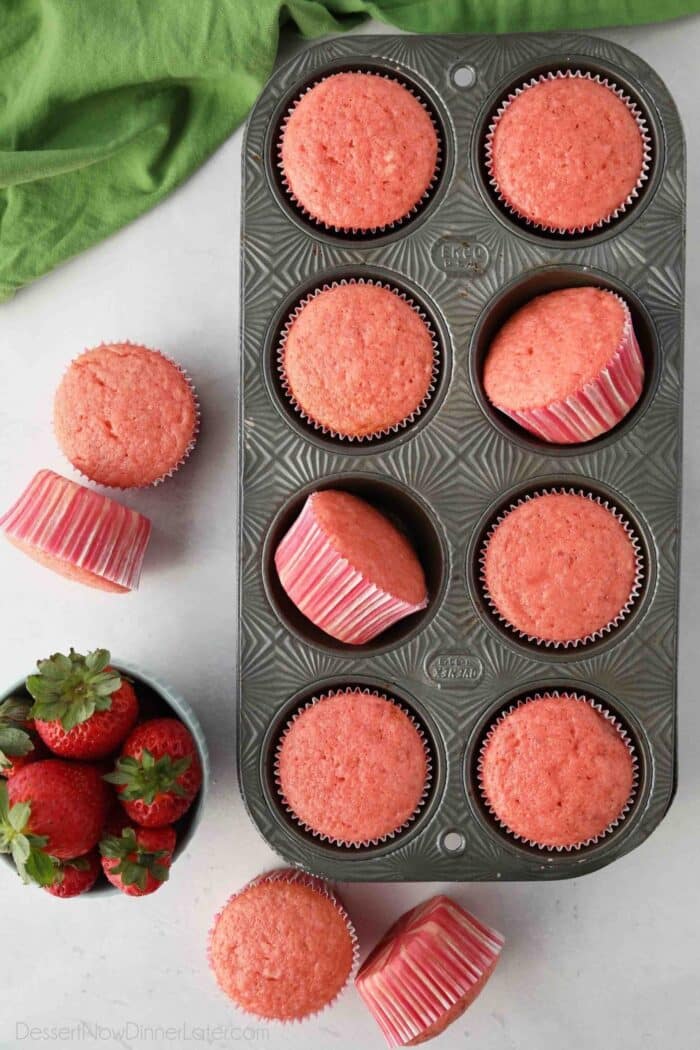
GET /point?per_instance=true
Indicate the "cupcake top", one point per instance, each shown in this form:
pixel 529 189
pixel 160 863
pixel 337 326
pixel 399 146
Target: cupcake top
pixel 352 767
pixel 358 151
pixel 283 948
pixel 553 346
pixel 556 772
pixel 560 567
pixel 358 360
pixel 125 415
pixel 566 153
pixel 372 545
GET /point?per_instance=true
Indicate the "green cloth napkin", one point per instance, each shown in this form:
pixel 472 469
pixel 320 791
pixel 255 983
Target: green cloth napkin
pixel 107 105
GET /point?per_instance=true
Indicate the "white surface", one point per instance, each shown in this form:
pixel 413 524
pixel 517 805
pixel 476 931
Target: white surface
pixel 609 960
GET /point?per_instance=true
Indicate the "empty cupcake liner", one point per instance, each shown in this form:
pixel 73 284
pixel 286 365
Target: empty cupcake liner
pixel 372 231
pixel 291 876
pixel 325 587
pixel 632 107
pixel 427 963
pixel 315 424
pixel 594 635
pixel 66 521
pixel 624 736
pixel 597 406
pixel 329 838
pixel 195 432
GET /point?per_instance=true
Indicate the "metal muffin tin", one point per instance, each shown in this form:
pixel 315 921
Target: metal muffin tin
pixel 444 478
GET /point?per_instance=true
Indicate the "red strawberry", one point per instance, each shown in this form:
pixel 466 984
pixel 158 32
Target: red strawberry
pixel 158 773
pixel 51 810
pixel 83 708
pixel 138 860
pixel 19 744
pixel 75 876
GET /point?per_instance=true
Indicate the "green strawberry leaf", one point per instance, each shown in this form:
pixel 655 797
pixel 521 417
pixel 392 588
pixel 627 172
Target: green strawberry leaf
pixel 69 689
pixel 40 868
pixel 19 815
pixel 135 862
pixel 27 850
pixel 147 777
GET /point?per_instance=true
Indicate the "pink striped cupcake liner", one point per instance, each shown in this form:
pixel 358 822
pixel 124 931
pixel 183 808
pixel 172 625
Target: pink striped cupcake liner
pixel 427 970
pixel 632 107
pixel 624 737
pixel 353 230
pixel 597 406
pixel 325 587
pixel 295 876
pixel 384 431
pixel 572 643
pixel 329 838
pixel 195 432
pixel 64 520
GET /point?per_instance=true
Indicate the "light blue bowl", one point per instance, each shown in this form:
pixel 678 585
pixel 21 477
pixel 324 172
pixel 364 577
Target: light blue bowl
pixel 156 700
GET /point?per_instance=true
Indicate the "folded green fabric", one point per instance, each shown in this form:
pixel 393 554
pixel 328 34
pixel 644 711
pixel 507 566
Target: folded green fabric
pixel 106 107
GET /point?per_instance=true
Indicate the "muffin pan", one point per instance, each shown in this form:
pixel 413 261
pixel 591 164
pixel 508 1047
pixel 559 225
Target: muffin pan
pixel 468 264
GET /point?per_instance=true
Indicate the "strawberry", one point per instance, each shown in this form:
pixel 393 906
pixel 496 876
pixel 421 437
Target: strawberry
pixel 51 810
pixel 82 708
pixel 137 861
pixel 158 773
pixel 75 876
pixel 19 744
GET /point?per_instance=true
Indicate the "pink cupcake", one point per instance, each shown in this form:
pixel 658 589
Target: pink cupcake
pixel 353 768
pixel 348 569
pixel 78 533
pixel 567 365
pixel 561 568
pixel 359 152
pixel 568 152
pixel 557 771
pixel 427 969
pixel 358 360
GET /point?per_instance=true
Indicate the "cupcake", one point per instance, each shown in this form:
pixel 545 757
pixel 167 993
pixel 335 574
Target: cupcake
pixel 125 416
pixel 358 360
pixel 567 152
pixel 283 948
pixel 358 152
pixel 567 365
pixel 78 533
pixel 348 569
pixel 561 568
pixel 427 970
pixel 352 768
pixel 557 771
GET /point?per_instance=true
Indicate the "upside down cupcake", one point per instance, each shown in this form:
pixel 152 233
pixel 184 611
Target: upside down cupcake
pixel 348 569
pixel 358 152
pixel 283 948
pixel 567 365
pixel 567 152
pixel 426 970
pixel 358 360
pixel 561 568
pixel 557 771
pixel 126 416
pixel 352 768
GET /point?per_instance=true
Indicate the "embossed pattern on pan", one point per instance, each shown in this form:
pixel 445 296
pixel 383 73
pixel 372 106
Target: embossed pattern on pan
pixel 472 265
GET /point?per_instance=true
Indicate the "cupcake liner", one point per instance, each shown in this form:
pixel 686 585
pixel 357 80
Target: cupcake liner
pixel 594 635
pixel 328 590
pixel 67 521
pixel 328 431
pixel 195 432
pixel 371 231
pixel 329 838
pixel 431 960
pixel 294 875
pixel 632 107
pixel 597 406
pixel 624 736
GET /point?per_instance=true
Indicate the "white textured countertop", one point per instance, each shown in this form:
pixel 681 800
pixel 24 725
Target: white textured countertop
pixel 611 960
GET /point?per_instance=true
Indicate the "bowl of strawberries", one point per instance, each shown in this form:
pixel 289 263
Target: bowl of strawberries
pixel 103 774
